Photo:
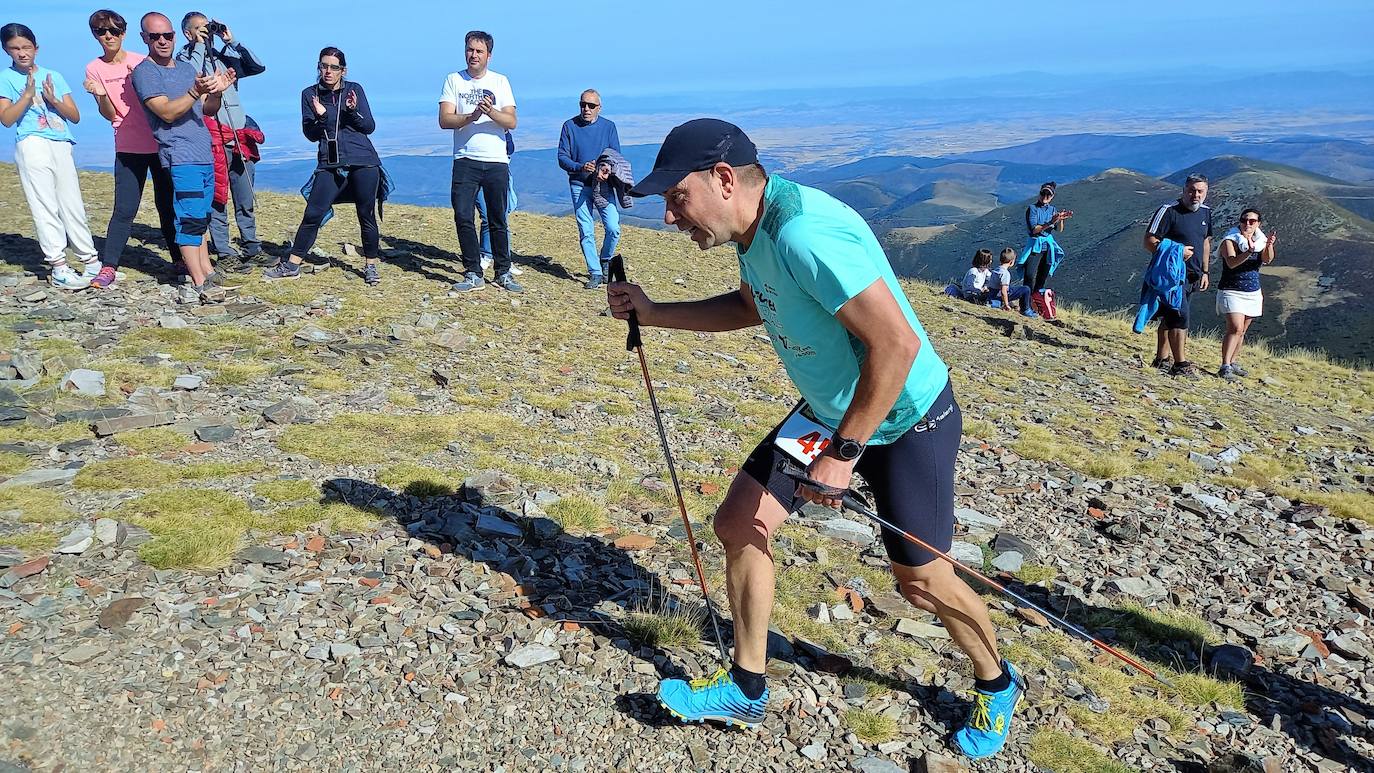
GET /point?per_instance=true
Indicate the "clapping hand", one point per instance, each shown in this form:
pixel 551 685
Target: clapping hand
pixel 95 88
pixel 351 101
pixel 30 88
pixel 317 105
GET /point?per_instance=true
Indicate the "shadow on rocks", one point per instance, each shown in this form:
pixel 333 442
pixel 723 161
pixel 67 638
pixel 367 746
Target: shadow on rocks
pixel 1318 719
pixel 589 581
pixel 551 574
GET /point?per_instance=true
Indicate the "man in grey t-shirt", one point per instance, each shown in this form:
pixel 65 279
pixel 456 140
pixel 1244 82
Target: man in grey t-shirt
pixel 200 35
pixel 175 99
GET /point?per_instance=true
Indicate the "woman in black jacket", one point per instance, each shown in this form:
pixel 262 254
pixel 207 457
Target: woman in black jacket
pixel 335 114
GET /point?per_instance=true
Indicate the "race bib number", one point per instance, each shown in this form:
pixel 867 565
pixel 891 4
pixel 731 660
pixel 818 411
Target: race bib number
pixel 801 437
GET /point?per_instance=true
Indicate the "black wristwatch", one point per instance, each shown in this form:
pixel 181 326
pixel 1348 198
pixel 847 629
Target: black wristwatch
pixel 846 448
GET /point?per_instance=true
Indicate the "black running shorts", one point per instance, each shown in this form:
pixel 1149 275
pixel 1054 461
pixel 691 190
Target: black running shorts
pixel 911 479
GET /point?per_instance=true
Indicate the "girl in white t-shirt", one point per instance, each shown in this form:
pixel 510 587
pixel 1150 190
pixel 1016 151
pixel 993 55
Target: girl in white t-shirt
pixel 975 284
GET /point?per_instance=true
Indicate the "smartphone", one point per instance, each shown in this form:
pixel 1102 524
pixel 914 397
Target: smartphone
pixel 331 151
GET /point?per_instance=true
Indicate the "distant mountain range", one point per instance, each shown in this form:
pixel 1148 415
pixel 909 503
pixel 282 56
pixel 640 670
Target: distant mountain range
pixel 1312 292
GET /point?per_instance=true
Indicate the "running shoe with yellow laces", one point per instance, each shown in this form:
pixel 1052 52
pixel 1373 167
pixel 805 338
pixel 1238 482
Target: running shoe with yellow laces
pixel 716 697
pixel 989 723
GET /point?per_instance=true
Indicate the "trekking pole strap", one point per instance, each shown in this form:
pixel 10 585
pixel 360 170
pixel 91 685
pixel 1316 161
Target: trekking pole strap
pixel 633 340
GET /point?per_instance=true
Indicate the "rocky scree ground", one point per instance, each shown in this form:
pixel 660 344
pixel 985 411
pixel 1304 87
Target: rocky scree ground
pixel 328 525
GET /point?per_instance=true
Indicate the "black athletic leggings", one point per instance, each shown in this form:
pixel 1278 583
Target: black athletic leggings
pixel 358 183
pixel 130 173
pixel 1037 271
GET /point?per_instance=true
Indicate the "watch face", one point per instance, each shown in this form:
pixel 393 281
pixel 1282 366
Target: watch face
pixel 850 450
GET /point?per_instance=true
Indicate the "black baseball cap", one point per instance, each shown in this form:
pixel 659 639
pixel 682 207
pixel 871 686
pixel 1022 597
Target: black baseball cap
pixel 699 144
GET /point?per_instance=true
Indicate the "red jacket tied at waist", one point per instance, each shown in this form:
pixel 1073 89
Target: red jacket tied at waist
pixel 224 140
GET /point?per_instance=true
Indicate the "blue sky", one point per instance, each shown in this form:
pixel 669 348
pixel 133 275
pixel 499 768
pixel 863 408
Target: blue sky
pixel 637 48
pixel 401 51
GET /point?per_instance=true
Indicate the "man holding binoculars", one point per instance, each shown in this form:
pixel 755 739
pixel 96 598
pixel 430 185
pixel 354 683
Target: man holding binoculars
pixel 200 52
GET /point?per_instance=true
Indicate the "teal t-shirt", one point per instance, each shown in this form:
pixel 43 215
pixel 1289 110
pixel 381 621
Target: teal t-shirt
pixel 40 118
pixel 810 255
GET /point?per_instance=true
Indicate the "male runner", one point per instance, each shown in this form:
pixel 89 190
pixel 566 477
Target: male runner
pixel 876 399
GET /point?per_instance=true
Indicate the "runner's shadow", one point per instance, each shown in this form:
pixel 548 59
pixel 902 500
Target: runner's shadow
pixel 539 569
pixel 1314 716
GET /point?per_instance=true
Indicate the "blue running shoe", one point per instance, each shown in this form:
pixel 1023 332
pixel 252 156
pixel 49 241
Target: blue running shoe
pixel 716 697
pixel 989 723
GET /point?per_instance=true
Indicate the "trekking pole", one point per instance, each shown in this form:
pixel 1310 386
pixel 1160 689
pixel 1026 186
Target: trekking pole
pixel 634 343
pixel 853 502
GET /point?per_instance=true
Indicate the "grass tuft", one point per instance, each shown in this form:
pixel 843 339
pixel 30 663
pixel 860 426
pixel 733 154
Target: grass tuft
pixel 36 505
pixel 193 528
pixel 663 622
pixel 418 480
pixel 30 543
pixel 287 490
pixel 1062 753
pixel 870 727
pixel 13 464
pixel 578 513
pixel 364 438
pixel 154 440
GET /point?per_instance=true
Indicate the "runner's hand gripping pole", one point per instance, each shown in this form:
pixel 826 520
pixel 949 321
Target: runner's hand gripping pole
pixel 856 503
pixel 635 343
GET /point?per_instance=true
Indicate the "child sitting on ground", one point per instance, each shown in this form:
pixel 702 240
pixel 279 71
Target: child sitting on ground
pixel 999 285
pixel 975 285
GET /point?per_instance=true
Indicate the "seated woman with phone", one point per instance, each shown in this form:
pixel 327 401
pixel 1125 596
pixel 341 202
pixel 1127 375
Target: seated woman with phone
pixel 335 114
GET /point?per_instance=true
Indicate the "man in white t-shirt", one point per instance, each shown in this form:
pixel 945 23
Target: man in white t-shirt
pixel 480 108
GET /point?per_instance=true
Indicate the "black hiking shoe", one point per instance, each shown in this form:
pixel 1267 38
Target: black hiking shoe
pixel 1185 369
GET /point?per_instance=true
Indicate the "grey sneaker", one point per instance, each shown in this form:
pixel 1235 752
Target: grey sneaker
pixel 594 282
pixel 284 269
pixel 1238 370
pixel 1229 373
pixel 216 279
pixel 188 293
pixel 470 282
pixel 507 282
pixel 371 274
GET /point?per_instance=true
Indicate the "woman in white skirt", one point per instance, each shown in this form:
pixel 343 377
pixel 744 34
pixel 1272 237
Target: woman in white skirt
pixel 1244 249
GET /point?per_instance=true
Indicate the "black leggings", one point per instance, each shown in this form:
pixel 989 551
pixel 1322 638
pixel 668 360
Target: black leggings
pixel 1037 271
pixel 359 183
pixel 130 173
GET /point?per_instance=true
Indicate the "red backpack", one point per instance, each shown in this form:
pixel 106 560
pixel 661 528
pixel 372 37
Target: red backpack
pixel 1043 303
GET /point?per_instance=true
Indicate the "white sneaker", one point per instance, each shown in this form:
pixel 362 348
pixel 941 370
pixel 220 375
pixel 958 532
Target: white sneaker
pixel 485 261
pixel 63 277
pixel 514 269
pixel 92 269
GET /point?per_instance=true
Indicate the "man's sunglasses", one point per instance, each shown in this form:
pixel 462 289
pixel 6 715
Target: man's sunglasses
pixel 99 31
pixel 591 105
pixel 1250 220
pixel 167 36
pixel 330 67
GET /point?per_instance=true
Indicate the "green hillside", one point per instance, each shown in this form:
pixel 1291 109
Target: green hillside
pixel 1325 248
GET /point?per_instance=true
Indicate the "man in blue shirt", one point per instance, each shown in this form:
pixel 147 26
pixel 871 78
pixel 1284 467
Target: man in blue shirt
pixel 876 399
pixel 1189 222
pixel 581 142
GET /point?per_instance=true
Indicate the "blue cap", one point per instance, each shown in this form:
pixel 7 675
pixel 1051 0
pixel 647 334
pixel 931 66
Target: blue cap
pixel 699 144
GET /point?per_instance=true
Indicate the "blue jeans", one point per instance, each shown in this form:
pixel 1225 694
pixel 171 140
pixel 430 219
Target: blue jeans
pixel 511 201
pixel 1021 294
pixel 586 227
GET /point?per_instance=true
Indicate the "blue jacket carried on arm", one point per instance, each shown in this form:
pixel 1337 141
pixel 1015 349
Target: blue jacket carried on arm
pixel 1164 283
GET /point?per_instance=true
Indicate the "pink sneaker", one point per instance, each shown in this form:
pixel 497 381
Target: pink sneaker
pixel 104 279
